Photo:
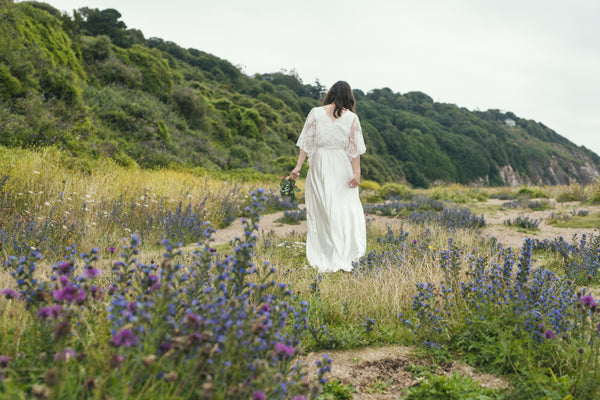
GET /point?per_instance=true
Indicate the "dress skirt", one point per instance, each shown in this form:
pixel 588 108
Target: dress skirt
pixel 336 234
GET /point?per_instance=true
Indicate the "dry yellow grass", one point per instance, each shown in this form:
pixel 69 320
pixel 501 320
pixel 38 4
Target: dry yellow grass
pixel 41 187
pixel 380 294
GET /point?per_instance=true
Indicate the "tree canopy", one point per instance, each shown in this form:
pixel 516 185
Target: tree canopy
pixel 88 84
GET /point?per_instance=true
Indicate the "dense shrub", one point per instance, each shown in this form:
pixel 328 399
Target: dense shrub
pixel 580 258
pixel 449 218
pixel 395 207
pixel 293 216
pixel 531 192
pixel 394 190
pixel 524 222
pixel 504 312
pixel 448 387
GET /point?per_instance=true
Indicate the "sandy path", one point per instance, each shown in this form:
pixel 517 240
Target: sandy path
pixel 268 224
pixel 383 373
pixel 508 236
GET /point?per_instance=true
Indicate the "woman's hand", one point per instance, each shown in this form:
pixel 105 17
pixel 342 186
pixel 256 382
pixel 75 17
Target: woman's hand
pixel 295 173
pixel 355 181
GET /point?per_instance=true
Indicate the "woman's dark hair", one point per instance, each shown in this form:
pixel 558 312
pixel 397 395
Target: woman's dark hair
pixel 341 95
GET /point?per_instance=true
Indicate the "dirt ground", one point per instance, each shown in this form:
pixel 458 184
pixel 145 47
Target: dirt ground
pixel 384 373
pixel 508 236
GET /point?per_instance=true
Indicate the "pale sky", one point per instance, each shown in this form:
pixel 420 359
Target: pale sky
pixel 538 59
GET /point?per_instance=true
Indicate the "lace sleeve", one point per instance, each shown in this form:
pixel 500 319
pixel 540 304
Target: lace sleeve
pixel 308 136
pixel 356 143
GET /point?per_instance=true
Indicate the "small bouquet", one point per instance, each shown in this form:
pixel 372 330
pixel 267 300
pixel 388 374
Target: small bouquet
pixel 288 189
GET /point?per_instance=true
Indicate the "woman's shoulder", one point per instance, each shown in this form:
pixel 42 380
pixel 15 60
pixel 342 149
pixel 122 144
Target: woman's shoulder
pixel 352 114
pixel 316 109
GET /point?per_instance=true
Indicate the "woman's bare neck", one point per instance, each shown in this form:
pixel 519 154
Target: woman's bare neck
pixel 329 108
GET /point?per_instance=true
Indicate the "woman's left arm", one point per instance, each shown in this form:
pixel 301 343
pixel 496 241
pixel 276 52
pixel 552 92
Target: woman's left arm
pixel 296 171
pixel 355 181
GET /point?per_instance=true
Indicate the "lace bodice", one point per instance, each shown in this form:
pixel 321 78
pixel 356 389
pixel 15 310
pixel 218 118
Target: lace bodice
pixel 324 132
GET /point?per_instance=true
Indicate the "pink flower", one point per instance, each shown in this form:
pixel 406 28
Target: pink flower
pixel 587 300
pixel 91 273
pixel 49 312
pixel 258 395
pixel 68 294
pixel 10 294
pixel 284 350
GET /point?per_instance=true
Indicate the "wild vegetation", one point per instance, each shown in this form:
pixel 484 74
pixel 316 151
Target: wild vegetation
pixel 120 156
pixel 88 314
pixel 87 84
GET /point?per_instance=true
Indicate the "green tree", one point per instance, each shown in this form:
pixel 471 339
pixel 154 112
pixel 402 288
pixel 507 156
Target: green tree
pixel 105 22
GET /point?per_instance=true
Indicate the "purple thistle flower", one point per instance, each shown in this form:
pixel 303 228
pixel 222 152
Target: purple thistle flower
pixel 10 294
pixel 80 296
pixel 64 281
pixel 124 338
pixel 56 311
pixel 64 355
pixel 265 308
pixel 549 334
pixel 4 361
pixel 415 241
pixel 96 292
pixel 258 395
pixel 111 250
pixel 195 338
pixel 284 350
pixel 165 346
pixel 68 294
pixel 64 268
pixel 91 273
pixel 49 312
pixel 587 301
pixel 192 320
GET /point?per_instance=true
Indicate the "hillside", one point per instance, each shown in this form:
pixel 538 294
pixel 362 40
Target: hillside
pixel 89 85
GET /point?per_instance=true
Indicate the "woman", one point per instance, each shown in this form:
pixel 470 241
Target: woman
pixel 332 139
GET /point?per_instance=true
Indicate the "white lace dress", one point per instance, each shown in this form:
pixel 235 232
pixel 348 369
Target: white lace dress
pixel 336 222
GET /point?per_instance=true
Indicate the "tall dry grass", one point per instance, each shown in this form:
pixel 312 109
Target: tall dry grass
pixel 382 292
pixel 97 208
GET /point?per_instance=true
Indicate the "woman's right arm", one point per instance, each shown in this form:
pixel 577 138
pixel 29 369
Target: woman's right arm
pixel 296 171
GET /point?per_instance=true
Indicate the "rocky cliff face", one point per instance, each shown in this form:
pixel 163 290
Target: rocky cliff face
pixel 555 172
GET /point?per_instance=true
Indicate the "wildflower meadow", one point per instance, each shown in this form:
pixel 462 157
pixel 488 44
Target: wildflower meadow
pixel 113 287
